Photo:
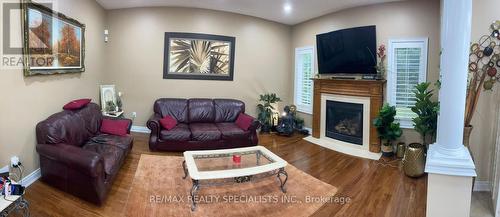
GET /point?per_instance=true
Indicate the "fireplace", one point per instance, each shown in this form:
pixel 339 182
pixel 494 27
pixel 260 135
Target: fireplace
pixel 344 121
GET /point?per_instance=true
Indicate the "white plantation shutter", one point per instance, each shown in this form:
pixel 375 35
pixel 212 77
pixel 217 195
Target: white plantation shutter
pixel 407 67
pixel 304 70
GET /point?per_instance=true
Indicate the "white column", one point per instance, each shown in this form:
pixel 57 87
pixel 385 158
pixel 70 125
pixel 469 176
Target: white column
pixel 449 163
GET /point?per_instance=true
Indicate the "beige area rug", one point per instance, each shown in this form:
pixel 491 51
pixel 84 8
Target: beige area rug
pixel 159 190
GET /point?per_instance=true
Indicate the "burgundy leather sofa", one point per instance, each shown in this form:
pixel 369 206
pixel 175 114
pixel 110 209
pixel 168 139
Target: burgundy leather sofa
pixel 75 157
pixel 202 124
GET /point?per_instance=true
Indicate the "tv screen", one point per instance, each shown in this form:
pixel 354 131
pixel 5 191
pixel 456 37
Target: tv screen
pixel 347 51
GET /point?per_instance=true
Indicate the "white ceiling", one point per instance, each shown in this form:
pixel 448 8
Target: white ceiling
pixel 301 11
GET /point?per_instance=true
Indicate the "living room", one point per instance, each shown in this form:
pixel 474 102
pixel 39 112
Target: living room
pixel 269 50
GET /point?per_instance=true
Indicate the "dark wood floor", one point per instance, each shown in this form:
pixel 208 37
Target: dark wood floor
pixel 374 187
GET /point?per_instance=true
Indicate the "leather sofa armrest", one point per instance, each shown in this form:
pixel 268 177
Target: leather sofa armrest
pixel 118 118
pixel 255 125
pixel 87 162
pixel 154 124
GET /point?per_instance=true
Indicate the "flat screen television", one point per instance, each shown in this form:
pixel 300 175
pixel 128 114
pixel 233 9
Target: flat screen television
pixel 347 51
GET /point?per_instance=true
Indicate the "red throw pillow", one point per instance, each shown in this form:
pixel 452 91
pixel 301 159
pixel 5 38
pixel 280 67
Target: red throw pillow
pixel 244 121
pixel 114 127
pixel 76 104
pixel 168 122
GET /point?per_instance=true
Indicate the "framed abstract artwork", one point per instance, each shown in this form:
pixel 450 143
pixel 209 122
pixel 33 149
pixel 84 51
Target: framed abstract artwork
pixel 52 43
pixel 198 56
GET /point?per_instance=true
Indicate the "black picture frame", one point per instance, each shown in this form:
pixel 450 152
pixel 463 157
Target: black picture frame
pixel 171 74
pixel 30 70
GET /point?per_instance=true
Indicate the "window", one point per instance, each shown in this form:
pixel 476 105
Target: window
pixel 407 67
pixel 304 68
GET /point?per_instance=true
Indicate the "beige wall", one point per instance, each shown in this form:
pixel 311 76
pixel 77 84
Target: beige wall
pixel 407 19
pixel 262 61
pixel 28 100
pixel 483 136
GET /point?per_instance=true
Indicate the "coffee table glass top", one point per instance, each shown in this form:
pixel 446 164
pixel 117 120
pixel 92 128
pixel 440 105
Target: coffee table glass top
pixel 218 164
pixel 227 161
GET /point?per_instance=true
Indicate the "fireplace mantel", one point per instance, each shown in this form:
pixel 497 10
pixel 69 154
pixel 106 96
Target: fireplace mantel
pixel 374 89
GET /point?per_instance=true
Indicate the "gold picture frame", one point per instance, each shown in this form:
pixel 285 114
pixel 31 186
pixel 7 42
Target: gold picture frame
pixel 52 42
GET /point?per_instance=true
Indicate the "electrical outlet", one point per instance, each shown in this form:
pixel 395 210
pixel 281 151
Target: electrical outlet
pixel 134 114
pixel 14 161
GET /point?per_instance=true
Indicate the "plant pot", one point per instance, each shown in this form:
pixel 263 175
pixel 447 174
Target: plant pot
pixel 414 160
pixel 387 150
pixel 400 150
pixel 467 132
pixel 265 128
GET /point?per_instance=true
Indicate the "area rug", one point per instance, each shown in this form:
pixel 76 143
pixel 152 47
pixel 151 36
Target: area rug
pixel 159 190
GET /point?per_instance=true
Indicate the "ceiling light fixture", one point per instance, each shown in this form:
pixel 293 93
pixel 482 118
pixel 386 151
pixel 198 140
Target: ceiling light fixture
pixel 287 8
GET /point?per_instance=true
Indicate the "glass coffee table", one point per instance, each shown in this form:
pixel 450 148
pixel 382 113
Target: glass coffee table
pixel 229 166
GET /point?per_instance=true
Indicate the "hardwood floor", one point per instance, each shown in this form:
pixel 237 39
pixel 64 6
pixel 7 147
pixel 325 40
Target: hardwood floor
pixel 374 187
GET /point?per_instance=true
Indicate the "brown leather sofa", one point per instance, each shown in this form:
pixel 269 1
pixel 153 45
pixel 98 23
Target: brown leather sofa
pixel 202 124
pixel 75 157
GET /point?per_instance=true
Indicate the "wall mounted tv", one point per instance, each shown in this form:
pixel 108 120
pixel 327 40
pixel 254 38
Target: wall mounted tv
pixel 347 51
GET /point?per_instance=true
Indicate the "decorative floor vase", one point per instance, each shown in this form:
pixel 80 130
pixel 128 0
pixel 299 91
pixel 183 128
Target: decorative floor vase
pixel 387 150
pixel 414 160
pixel 400 150
pixel 467 132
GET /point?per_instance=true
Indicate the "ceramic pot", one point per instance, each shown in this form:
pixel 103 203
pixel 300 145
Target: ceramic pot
pixel 400 150
pixel 387 150
pixel 414 160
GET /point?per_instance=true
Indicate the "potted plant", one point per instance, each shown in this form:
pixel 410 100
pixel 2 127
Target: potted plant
pixel 265 109
pixel 388 130
pixel 425 123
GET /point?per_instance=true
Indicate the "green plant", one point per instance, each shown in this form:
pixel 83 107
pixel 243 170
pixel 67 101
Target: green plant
pixel 387 129
pixel 110 106
pixel 265 109
pixel 426 110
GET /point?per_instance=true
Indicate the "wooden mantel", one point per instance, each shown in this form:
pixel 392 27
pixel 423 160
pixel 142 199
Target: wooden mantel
pixel 361 88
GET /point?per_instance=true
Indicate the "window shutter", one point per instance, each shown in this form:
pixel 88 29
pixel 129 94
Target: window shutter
pixel 407 68
pixel 304 71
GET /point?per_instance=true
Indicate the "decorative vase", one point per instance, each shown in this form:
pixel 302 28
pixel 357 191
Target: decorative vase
pixel 387 150
pixel 414 160
pixel 400 150
pixel 467 132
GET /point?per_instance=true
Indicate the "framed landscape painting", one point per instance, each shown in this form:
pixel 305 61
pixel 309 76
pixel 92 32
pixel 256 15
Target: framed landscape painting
pixel 53 43
pixel 198 56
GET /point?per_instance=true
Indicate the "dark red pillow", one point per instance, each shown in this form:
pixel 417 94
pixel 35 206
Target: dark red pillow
pixel 114 127
pixel 76 104
pixel 168 122
pixel 244 121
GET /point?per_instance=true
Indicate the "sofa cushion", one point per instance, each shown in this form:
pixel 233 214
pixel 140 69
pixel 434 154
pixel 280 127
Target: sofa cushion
pixel 168 122
pixel 76 104
pixel 72 127
pixel 123 142
pixel 227 110
pixel 231 130
pixel 112 155
pixel 180 132
pixel 244 121
pixel 201 111
pixel 204 131
pixel 177 108
pixel 115 127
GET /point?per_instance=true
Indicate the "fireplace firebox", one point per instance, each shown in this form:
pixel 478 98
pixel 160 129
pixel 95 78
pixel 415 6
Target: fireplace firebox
pixel 344 121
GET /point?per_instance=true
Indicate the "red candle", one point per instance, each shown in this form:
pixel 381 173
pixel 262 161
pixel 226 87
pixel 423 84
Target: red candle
pixel 237 158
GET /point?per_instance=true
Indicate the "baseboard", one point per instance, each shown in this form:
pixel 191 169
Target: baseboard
pixel 32 177
pixel 482 186
pixel 140 129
